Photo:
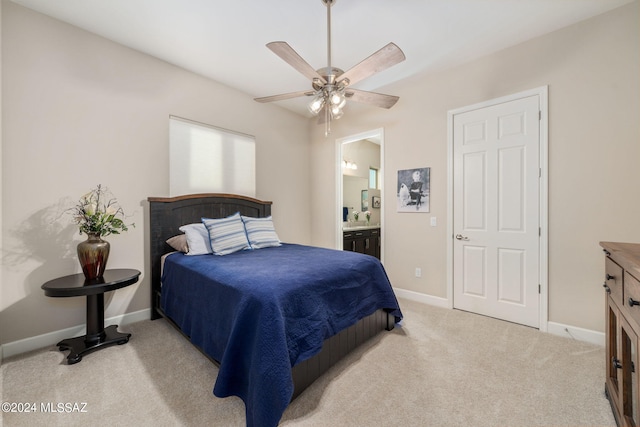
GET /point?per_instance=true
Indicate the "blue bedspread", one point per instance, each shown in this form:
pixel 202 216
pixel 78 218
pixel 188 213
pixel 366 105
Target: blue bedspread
pixel 260 312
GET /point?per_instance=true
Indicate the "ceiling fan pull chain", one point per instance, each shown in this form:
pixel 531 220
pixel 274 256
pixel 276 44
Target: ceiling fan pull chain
pixel 327 128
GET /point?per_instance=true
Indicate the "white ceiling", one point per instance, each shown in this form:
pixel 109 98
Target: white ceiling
pixel 225 40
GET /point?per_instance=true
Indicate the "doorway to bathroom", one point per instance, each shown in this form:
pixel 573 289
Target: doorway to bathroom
pixel 359 185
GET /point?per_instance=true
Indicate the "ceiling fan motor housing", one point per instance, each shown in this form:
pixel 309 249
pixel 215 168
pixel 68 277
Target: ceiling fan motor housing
pixel 330 74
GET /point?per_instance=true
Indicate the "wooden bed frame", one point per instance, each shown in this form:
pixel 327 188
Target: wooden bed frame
pixel 167 214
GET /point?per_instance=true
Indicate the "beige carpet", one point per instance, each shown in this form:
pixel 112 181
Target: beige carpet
pixel 441 368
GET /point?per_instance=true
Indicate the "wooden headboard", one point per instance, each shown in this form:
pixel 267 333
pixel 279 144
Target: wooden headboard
pixel 167 214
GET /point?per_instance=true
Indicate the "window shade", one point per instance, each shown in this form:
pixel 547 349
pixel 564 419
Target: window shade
pixel 207 159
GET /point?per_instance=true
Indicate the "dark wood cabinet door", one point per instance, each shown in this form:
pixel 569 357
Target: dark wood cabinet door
pixel 362 241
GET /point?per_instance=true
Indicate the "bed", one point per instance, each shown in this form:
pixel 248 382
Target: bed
pixel 274 319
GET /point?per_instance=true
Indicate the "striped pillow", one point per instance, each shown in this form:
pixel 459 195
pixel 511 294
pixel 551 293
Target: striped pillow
pixel 227 234
pixel 260 232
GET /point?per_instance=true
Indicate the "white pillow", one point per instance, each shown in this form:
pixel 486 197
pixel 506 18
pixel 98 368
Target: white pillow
pixel 197 239
pixel 227 235
pixel 261 232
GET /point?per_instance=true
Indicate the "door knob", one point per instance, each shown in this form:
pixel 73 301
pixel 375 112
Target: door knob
pixel 461 237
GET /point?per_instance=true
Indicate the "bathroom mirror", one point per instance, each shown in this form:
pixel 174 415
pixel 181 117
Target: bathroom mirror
pixel 352 195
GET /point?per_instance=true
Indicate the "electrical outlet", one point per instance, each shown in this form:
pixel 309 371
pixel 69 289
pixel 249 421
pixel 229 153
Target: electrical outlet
pixel 433 221
pixel 418 272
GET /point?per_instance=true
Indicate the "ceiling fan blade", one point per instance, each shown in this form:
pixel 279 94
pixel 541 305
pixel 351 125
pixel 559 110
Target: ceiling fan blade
pixel 371 98
pixel 291 57
pixel 384 58
pixel 284 96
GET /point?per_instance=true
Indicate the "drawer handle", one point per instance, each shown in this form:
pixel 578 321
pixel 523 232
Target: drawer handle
pixel 610 277
pixel 633 302
pixel 606 288
pixel 616 363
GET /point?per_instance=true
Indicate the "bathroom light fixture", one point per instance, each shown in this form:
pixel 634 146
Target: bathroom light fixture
pixel 349 165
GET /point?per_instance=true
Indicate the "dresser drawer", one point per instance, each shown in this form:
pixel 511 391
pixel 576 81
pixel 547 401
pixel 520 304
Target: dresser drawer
pixel 632 296
pixel 613 280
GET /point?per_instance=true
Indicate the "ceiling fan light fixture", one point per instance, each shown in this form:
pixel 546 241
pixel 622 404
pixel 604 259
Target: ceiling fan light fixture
pixel 316 105
pixel 336 112
pixel 337 99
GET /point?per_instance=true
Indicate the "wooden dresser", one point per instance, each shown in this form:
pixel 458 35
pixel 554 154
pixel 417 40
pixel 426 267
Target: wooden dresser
pixel 622 286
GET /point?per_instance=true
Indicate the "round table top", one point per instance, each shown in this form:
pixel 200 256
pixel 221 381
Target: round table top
pixel 77 285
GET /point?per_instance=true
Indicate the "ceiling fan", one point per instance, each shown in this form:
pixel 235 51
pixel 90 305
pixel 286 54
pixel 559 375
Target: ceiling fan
pixel 332 86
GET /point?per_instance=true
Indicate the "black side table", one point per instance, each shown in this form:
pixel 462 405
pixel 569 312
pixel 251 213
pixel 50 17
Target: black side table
pixel 97 336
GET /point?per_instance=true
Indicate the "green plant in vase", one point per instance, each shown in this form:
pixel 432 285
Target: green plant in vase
pixel 97 215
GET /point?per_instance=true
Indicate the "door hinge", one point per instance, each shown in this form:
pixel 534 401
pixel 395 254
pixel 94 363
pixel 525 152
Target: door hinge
pixel 539 231
pixel 539 288
pixel 539 114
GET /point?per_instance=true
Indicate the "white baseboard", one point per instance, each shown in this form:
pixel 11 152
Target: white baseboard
pixel 576 333
pixel 51 338
pixel 554 328
pixel 423 298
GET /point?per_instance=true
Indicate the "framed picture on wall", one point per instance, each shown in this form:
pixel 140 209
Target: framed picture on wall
pixel 375 201
pixel 413 190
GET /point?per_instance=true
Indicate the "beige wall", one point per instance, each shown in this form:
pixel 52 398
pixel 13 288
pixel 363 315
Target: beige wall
pixel 79 110
pixel 592 71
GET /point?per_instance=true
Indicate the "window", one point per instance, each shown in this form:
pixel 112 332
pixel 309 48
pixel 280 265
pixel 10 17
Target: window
pixel 373 178
pixel 206 159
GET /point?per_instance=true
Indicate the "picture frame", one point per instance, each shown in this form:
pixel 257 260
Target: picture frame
pixel 413 190
pixel 376 202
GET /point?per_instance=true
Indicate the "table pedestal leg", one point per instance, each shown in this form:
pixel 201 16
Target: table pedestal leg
pixel 97 336
pixel 95 318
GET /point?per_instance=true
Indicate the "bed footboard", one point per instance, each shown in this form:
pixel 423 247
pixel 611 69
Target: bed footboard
pixel 337 347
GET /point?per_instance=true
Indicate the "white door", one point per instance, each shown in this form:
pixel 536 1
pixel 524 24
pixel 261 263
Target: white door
pixel 496 169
